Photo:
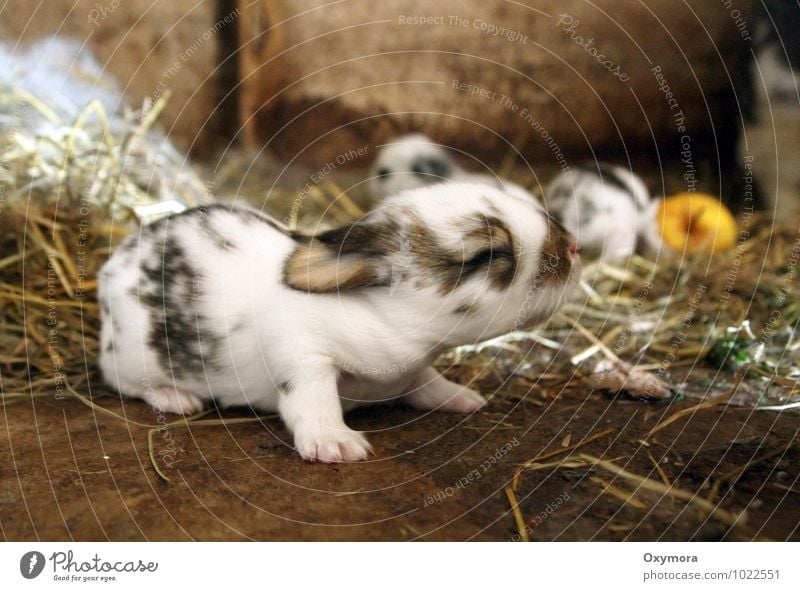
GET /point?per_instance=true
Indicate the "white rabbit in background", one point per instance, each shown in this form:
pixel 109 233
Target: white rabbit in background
pixel 414 161
pixel 606 207
pixel 221 303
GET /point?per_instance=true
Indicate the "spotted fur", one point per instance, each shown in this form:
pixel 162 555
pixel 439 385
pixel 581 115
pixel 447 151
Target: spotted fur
pixel 606 207
pixel 222 305
pixel 414 160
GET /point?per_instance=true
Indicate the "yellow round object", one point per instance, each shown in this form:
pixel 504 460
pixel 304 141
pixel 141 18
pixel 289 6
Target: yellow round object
pixel 695 222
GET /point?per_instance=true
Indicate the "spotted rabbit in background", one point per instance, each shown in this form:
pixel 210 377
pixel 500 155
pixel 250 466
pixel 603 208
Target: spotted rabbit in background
pixel 414 161
pixel 607 207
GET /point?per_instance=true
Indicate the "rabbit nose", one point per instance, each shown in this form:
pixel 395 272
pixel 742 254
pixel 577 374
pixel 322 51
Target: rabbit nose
pixel 574 249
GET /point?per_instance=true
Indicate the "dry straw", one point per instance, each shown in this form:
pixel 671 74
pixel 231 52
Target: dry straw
pixel 69 191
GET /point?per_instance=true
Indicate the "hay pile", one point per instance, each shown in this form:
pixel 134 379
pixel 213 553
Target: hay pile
pixel 69 190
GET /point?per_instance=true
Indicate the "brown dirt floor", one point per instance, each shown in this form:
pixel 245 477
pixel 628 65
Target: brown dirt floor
pixel 243 481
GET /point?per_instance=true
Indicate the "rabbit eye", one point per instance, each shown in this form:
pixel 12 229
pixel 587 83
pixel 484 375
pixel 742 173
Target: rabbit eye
pixel 383 172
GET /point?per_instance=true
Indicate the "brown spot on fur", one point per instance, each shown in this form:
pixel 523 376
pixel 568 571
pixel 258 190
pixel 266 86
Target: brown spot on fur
pixel 344 258
pixel 555 264
pixel 437 263
pixel 366 238
pixel 466 308
pixel 315 268
pixel 488 244
pixel 496 244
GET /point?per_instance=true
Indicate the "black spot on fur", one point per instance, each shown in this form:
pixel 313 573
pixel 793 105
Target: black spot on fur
pixel 178 331
pixel 586 212
pixel 243 214
pixel 562 192
pixel 610 175
pixel 366 239
pixel 431 169
pixel 251 216
pixel 466 308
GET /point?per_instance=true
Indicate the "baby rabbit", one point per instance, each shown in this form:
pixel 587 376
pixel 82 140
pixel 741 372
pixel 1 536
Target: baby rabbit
pixel 606 207
pixel 222 303
pixel 414 161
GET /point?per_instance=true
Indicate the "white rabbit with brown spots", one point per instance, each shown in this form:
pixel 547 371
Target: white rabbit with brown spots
pixel 221 303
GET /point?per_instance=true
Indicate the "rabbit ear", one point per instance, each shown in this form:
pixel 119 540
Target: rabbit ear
pixel 345 258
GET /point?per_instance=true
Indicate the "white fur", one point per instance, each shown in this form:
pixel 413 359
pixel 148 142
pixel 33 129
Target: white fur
pixel 394 169
pixel 776 82
pixel 603 217
pixel 331 352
